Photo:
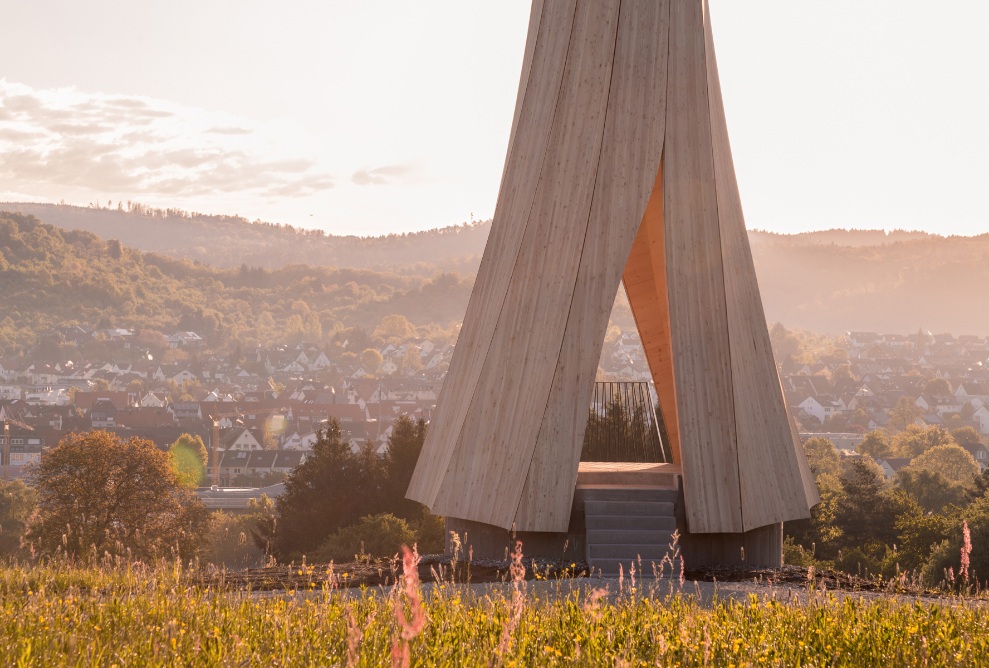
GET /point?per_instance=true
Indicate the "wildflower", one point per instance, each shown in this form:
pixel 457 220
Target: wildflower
pixel 409 586
pixel 966 551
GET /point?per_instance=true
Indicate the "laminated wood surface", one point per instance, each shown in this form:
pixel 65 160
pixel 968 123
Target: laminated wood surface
pixel 645 286
pixel 634 128
pixel 618 168
pixel 539 90
pixel 486 474
pixel 772 489
pixel 695 275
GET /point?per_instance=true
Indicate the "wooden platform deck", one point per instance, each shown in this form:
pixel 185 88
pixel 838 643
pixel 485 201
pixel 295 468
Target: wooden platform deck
pixel 628 474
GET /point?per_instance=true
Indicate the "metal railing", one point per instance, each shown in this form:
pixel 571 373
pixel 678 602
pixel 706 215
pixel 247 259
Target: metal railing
pixel 624 425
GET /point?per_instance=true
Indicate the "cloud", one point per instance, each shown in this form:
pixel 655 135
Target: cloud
pixel 230 131
pixel 133 146
pixel 380 176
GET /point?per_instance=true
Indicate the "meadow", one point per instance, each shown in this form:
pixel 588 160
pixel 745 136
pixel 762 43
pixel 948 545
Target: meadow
pixel 133 615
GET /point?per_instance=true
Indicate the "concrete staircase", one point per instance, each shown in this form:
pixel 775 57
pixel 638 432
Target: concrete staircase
pixel 627 524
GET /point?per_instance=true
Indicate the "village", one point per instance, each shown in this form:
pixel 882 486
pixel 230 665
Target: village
pixel 268 403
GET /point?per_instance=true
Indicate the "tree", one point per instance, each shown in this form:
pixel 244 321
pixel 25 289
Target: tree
pixel 380 535
pixel 394 328
pixel 876 445
pixel 333 488
pixel 948 553
pixel 915 440
pixel 17 502
pixel 937 387
pixel 863 511
pixel 189 457
pixel 952 461
pixel 843 374
pixel 404 446
pixel 966 436
pixel 371 359
pixel 411 361
pixel 931 489
pixel 905 413
pixel 822 456
pixel 98 494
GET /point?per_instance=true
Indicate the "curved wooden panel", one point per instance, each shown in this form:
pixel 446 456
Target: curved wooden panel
pixel 539 91
pixel 648 296
pixel 630 153
pixel 772 489
pixel 618 167
pixel 695 278
pixel 486 474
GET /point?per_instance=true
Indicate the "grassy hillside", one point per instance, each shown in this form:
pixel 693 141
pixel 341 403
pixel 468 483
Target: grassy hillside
pixel 51 277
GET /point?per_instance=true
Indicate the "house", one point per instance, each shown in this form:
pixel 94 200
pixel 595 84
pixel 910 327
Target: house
pixel 262 462
pixel 981 418
pixel 145 417
pixel 25 449
pixel 183 376
pixel 185 340
pixel 84 400
pixel 103 414
pixel 49 396
pixel 186 410
pixel 892 465
pixel 152 400
pixel 979 453
pixel 239 438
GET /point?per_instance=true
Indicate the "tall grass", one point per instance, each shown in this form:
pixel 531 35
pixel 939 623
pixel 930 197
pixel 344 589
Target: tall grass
pixel 60 614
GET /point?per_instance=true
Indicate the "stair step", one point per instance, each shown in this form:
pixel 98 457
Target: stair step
pixel 628 537
pixel 630 478
pixel 631 522
pixel 628 508
pixel 618 493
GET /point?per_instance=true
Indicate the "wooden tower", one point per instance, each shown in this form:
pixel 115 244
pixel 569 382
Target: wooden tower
pixel 618 167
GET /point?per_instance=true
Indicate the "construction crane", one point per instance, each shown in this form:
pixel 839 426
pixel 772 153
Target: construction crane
pixel 215 446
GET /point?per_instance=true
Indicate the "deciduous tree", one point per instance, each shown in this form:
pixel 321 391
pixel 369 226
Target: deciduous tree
pixel 189 457
pixel 98 494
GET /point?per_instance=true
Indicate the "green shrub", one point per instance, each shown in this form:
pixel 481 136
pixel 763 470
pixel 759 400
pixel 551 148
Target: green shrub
pixel 795 554
pixel 374 536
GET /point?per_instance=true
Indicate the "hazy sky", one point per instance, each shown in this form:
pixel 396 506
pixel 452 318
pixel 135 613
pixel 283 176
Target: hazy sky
pixel 388 115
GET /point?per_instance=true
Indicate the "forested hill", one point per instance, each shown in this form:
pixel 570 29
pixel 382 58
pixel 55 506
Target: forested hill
pixel 51 277
pixel 898 285
pixel 231 241
pixel 830 281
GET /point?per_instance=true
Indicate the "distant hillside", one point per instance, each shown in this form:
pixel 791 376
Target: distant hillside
pixel 230 241
pixel 930 282
pixel 51 277
pixel 829 281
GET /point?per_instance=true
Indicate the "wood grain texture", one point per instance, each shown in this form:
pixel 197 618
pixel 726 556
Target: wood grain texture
pixel 645 286
pixel 539 91
pixel 772 489
pixel 487 472
pixel 619 168
pixel 634 127
pixel 695 276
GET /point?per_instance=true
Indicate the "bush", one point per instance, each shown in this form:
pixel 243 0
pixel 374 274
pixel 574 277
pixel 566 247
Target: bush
pixel 796 555
pixel 430 533
pixel 17 502
pixel 374 536
pixel 229 542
